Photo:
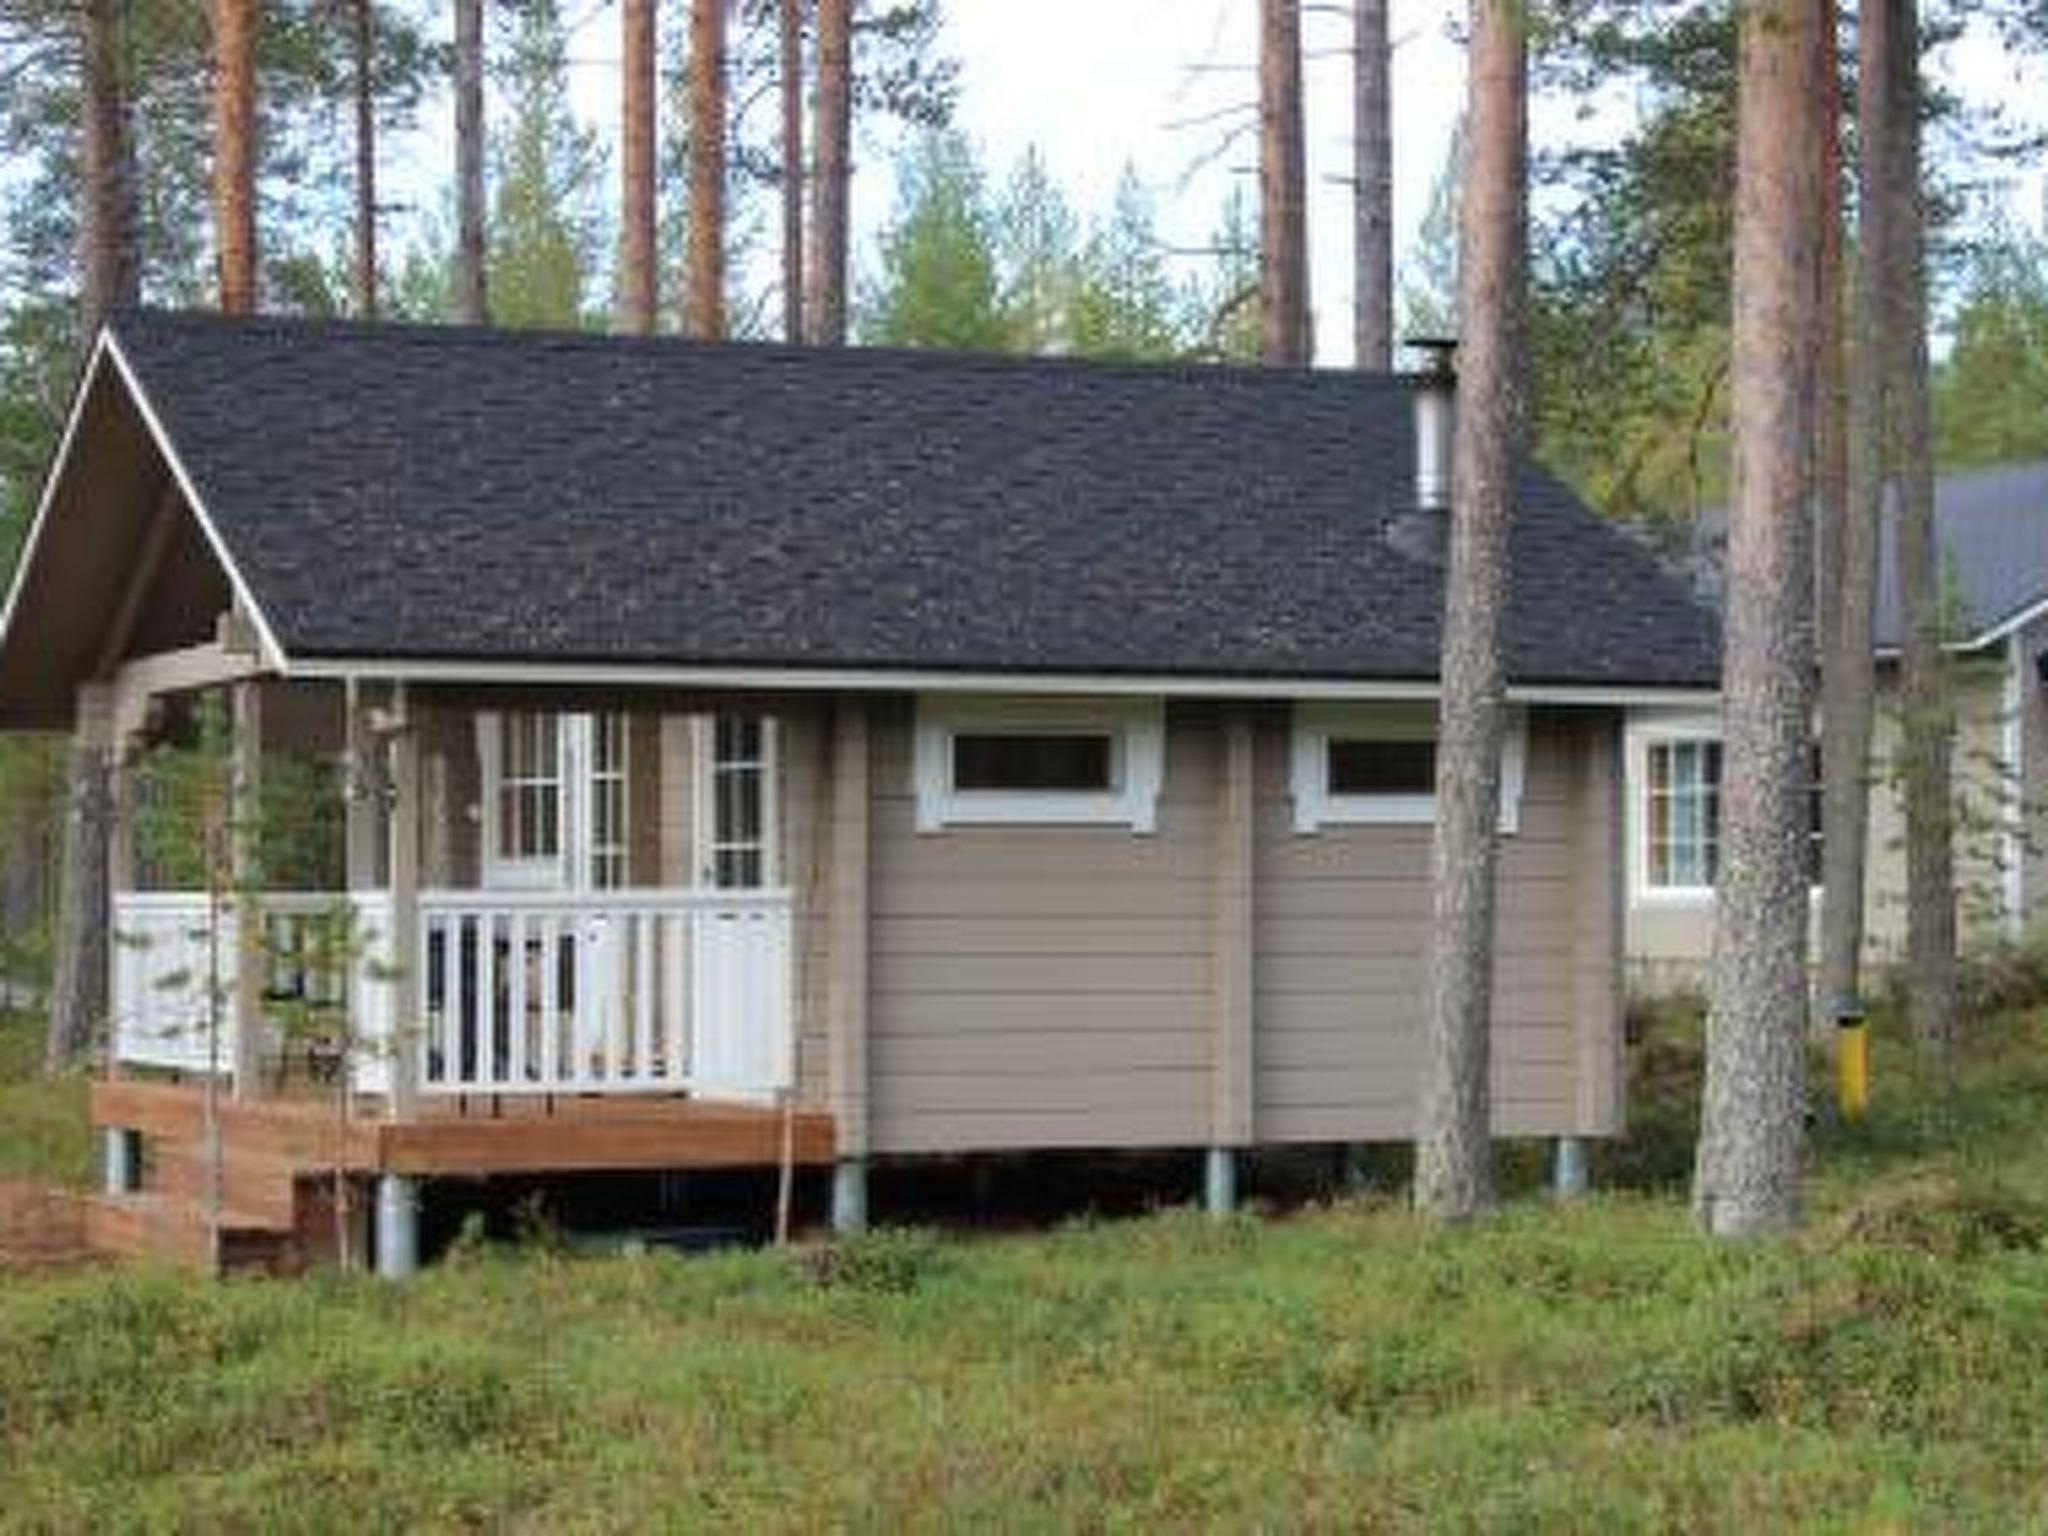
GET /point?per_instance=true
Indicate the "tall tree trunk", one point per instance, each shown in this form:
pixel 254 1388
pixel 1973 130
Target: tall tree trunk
pixel 1929 725
pixel 1283 190
pixel 1372 172
pixel 704 287
pixel 1746 1177
pixel 792 87
pixel 831 175
pixel 1852 460
pixel 109 269
pixel 637 283
pixel 472 304
pixel 1452 1148
pixel 364 42
pixel 234 152
pixel 78 981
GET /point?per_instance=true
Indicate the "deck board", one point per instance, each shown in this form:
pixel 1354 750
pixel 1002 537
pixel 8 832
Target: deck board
pixel 479 1134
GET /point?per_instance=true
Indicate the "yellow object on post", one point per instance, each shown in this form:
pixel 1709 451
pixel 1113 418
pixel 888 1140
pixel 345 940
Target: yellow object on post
pixel 1852 1060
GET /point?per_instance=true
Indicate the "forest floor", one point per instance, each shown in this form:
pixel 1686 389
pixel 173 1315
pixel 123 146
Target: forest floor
pixel 1597 1366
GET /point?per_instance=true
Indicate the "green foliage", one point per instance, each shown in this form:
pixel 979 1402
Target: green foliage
pixel 547 225
pixel 1023 273
pixel 1991 394
pixel 938 285
pixel 1124 303
pixel 1632 287
pixel 1598 1366
pixel 43 1130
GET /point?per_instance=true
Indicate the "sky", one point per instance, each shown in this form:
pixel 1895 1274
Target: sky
pixel 1161 85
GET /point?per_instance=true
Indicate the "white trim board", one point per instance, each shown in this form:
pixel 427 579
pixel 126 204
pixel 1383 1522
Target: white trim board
pixel 911 680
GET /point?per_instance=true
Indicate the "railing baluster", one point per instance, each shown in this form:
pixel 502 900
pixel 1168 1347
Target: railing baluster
pixel 643 994
pixel 550 1042
pixel 487 997
pixel 516 1007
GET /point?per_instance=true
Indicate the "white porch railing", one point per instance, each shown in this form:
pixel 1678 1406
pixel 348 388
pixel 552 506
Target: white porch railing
pixel 615 992
pixel 175 960
pixel 610 992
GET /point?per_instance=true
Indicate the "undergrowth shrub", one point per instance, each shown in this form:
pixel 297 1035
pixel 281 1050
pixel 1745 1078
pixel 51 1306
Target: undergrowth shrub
pixel 891 1261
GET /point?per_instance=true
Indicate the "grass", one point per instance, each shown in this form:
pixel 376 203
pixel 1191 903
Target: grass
pixel 1592 1368
pixel 43 1131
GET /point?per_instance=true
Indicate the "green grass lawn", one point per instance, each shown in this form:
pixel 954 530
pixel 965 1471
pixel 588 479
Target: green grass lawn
pixel 43 1132
pixel 1593 1368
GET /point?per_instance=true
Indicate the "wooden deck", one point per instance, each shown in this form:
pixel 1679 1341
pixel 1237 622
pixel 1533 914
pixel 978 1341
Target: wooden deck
pixel 474 1135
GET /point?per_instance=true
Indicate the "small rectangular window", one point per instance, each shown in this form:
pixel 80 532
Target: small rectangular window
pixel 1363 767
pixel 1684 821
pixel 1078 762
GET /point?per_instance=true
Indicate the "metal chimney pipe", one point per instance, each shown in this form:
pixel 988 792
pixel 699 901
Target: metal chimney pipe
pixel 1436 419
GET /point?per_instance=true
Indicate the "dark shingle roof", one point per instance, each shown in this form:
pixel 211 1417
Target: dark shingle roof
pixel 452 493
pixel 1991 526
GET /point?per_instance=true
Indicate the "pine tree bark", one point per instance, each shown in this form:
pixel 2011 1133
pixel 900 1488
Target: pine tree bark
pixel 791 84
pixel 831 176
pixel 78 982
pixel 1747 1170
pixel 1453 1177
pixel 234 153
pixel 1372 174
pixel 1848 563
pixel 472 302
pixel 363 38
pixel 109 270
pixel 637 282
pixel 1929 725
pixel 1283 191
pixel 109 277
pixel 704 284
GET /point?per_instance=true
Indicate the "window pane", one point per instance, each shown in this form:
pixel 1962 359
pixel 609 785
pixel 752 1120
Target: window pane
pixel 1004 761
pixel 1382 767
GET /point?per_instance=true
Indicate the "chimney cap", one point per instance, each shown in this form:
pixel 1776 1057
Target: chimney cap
pixel 1439 353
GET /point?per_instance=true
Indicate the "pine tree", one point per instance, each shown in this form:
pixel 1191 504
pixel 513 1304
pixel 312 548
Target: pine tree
pixel 1283 188
pixel 637 283
pixel 544 226
pixel 1747 1172
pixel 1452 1148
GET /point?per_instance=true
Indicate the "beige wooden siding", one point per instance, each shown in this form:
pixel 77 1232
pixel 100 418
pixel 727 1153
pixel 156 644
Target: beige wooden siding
pixel 1671 940
pixel 1341 920
pixel 1041 986
pixel 806 811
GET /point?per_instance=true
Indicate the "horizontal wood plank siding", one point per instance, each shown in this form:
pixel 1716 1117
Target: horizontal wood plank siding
pixel 1342 921
pixel 1043 986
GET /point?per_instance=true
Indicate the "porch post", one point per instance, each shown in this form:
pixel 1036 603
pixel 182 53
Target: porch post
pixel 78 992
pixel 250 938
pixel 398 1227
pixel 405 904
pixel 1568 1172
pixel 847 973
pixel 1230 1081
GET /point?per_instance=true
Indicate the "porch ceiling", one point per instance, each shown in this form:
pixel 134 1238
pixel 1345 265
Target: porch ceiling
pixel 99 582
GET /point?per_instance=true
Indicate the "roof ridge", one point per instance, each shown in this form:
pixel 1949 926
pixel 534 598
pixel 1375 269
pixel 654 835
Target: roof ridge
pixel 456 333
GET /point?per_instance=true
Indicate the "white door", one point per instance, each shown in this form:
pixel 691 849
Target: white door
pixel 739 961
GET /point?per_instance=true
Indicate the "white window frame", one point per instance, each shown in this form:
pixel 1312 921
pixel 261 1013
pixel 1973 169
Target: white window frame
pixel 1644 733
pixel 1137 732
pixel 573 866
pixel 709 843
pixel 1316 725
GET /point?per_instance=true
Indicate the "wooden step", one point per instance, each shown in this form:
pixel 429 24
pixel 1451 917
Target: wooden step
pixel 41 1228
pixel 160 1227
pixel 260 1189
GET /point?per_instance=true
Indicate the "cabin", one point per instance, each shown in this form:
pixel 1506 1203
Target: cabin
pixel 717 755
pixel 1991 531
